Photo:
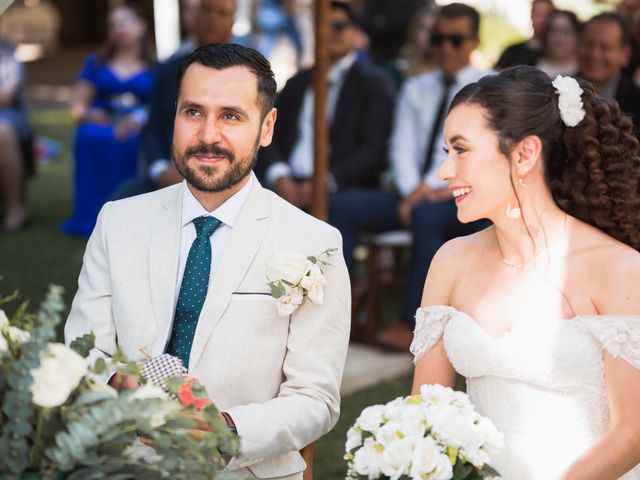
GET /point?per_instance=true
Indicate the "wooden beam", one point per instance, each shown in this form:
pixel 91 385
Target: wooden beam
pixel 320 201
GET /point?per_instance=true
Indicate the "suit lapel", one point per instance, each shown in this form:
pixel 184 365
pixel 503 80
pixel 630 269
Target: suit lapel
pixel 163 264
pixel 243 244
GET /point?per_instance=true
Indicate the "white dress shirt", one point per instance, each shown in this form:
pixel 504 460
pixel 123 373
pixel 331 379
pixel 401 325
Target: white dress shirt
pixel 300 163
pixel 227 213
pixel 414 116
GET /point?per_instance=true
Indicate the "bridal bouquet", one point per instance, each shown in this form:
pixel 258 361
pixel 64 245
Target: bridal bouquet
pixel 436 435
pixel 59 421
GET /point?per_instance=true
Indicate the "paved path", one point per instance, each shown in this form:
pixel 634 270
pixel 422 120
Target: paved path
pixel 369 365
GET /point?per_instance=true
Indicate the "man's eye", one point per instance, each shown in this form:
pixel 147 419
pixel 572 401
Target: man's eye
pixel 192 112
pixel 230 116
pixel 460 149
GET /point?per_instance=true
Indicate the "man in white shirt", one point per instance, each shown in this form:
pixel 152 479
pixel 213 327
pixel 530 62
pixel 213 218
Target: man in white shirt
pixel 416 151
pixel 184 270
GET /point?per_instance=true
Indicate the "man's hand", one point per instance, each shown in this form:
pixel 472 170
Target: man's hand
pixel 405 207
pixel 124 382
pixel 169 177
pixel 288 189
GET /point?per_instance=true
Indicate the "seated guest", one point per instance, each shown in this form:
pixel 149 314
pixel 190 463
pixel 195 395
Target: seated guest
pixel 16 160
pixel 360 105
pixel 213 25
pixel 560 45
pixel 416 150
pixel 109 103
pixel 529 51
pixel 604 53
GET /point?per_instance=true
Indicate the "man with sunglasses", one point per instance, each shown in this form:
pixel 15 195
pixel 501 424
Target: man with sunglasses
pixel 426 205
pixel 359 109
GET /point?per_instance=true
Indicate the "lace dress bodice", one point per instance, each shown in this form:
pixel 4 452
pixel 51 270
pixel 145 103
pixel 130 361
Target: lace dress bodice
pixel 543 387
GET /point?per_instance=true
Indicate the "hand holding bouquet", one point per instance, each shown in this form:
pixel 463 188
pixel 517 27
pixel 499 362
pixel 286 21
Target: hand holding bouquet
pixel 434 435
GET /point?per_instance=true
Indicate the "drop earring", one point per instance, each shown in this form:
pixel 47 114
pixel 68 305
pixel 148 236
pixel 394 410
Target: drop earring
pixel 512 212
pixel 521 182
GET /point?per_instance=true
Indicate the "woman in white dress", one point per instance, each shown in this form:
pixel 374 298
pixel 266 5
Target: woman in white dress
pixel 541 312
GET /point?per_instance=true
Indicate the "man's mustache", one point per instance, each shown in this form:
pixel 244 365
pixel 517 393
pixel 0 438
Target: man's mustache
pixel 205 149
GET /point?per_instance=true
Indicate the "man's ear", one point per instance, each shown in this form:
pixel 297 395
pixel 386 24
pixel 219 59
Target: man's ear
pixel 268 124
pixel 526 155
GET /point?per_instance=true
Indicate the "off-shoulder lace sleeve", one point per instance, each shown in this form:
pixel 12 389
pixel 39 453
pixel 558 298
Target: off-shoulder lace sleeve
pixel 618 334
pixel 430 323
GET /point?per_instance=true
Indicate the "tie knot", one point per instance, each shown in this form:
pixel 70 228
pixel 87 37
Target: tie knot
pixel 205 225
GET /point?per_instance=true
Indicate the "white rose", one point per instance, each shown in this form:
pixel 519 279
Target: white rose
pixel 393 409
pixel 368 460
pixel 290 301
pixel 287 265
pixel 58 374
pixel 18 336
pixel 456 430
pixel 397 457
pixel 314 284
pixel 427 460
pixel 4 346
pixel 413 420
pixel 370 418
pixel 389 432
pixel 435 393
pixel 354 439
pixel 3 319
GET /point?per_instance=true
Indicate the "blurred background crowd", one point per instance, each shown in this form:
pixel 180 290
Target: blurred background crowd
pixel 87 100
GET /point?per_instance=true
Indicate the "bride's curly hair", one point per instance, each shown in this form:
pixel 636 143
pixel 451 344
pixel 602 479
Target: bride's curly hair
pixel 592 169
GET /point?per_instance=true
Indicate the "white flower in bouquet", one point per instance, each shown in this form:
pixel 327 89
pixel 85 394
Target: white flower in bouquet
pixel 149 390
pixel 287 265
pixel 429 461
pixel 354 438
pixel 290 301
pixel 370 418
pixel 3 319
pixel 58 374
pixel 422 437
pixel 18 335
pixel 368 459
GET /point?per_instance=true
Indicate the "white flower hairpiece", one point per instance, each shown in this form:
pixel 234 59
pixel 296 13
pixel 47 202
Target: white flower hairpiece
pixel 569 100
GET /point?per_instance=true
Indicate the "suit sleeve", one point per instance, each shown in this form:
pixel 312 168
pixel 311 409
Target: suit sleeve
pixel 370 156
pixel 91 308
pixel 308 403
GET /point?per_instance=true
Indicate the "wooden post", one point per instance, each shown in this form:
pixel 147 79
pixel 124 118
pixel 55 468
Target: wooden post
pixel 320 200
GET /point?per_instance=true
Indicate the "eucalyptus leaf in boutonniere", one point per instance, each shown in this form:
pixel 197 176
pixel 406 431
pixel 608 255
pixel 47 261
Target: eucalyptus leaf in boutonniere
pixel 293 276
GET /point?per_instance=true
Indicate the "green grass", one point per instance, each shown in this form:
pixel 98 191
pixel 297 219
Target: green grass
pixel 43 255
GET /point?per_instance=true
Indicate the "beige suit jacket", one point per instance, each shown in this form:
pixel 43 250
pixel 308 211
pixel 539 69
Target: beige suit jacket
pixel 278 377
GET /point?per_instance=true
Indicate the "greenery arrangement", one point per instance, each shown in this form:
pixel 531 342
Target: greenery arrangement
pixel 59 421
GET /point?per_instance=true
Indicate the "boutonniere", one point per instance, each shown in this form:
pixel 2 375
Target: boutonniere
pixel 293 276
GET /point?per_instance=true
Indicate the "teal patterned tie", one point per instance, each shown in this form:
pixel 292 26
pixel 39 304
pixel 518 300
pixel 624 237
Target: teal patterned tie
pixel 193 290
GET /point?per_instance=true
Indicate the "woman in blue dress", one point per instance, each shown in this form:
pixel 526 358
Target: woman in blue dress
pixel 110 104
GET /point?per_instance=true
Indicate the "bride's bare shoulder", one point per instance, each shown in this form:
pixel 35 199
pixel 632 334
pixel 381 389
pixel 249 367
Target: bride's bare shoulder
pixel 461 252
pixel 614 272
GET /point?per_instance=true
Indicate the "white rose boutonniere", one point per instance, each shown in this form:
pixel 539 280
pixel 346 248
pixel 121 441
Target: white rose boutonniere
pixel 293 276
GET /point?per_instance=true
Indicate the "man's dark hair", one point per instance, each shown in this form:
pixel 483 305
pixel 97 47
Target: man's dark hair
pixel 227 55
pixel 456 10
pixel 612 17
pixel 345 7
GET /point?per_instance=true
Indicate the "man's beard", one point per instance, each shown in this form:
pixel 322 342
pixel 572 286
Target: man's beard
pixel 204 177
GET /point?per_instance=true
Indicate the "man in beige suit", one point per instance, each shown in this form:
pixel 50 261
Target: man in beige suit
pixel 184 270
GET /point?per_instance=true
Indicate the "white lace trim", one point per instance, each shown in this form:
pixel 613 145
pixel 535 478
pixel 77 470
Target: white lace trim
pixel 430 323
pixel 619 335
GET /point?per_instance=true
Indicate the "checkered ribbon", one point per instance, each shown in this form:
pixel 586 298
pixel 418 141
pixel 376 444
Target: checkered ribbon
pixel 164 366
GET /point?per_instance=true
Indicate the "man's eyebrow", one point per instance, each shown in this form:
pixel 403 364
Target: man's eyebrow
pixel 189 104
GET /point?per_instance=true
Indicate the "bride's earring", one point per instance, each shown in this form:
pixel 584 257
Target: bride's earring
pixel 513 212
pixel 521 182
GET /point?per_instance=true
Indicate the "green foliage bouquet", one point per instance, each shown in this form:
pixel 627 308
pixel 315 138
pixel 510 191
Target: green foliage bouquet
pixel 58 420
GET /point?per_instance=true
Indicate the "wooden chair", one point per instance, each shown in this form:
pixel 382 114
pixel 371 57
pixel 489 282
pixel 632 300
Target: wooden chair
pixel 398 241
pixel 307 454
